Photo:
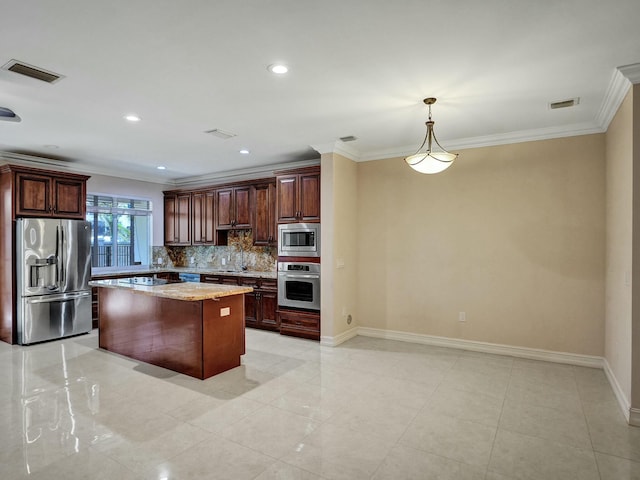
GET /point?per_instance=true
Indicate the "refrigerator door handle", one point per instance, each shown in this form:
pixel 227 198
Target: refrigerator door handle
pixel 62 249
pixel 58 298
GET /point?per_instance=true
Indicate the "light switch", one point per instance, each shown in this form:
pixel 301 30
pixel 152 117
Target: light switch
pixel 225 312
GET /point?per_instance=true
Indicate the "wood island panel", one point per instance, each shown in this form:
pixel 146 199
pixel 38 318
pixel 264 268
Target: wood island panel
pixel 190 337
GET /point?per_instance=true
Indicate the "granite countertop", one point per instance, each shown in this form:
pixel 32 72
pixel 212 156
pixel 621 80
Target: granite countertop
pixel 188 291
pixel 199 270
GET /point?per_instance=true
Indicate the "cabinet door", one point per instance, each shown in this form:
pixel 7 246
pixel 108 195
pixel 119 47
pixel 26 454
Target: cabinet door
pixel 264 226
pixel 202 220
pixel 287 201
pixel 33 195
pixel 224 208
pixel 242 204
pixel 183 219
pixel 177 219
pixel 251 309
pixel 309 210
pixel 170 236
pixel 69 198
pixel 269 301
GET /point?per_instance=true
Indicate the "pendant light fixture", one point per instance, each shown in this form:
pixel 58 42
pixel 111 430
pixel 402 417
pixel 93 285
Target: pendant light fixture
pixel 430 161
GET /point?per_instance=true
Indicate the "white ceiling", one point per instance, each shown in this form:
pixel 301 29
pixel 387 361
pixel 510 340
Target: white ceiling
pixel 357 67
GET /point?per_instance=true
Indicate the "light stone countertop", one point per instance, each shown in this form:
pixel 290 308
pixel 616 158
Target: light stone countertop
pixel 187 291
pixel 96 272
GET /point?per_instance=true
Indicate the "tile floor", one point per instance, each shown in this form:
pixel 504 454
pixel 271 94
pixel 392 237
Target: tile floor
pixel 368 409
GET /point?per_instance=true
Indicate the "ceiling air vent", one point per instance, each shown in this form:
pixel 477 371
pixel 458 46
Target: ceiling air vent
pixel 216 132
pixel 565 103
pixel 30 71
pixel 349 138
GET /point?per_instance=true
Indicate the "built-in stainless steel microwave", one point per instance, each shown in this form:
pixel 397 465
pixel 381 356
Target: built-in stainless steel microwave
pixel 299 240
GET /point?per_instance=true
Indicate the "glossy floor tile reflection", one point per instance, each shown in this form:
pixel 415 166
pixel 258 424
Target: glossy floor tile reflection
pixel 368 409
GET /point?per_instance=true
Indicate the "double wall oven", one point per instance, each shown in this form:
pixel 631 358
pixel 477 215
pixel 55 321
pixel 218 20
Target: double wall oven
pixel 298 267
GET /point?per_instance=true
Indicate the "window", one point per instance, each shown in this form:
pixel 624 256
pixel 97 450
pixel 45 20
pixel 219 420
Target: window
pixel 120 231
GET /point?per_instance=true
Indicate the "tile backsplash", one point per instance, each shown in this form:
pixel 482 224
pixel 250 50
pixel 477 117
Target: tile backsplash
pixel 239 251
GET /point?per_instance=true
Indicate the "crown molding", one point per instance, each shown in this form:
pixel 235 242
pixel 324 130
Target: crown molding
pixel 492 140
pixel 240 175
pixel 616 91
pixel 631 72
pixel 338 147
pixel 184 182
pixel 75 167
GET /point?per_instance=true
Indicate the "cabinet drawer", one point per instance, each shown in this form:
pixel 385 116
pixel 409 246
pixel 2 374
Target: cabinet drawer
pixel 300 322
pixel 210 279
pixel 250 282
pixel 221 279
pixel 268 284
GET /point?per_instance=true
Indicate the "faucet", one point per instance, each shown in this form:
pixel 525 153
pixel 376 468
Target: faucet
pixel 242 265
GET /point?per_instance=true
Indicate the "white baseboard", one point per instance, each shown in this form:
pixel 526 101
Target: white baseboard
pixel 520 352
pixel 338 339
pixel 634 417
pixel 623 401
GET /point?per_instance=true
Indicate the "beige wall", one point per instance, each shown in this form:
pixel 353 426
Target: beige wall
pixel 339 244
pixel 635 327
pixel 122 186
pixel 619 245
pixel 511 235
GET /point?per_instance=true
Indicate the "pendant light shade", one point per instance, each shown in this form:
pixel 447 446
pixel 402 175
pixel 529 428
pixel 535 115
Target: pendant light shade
pixel 430 161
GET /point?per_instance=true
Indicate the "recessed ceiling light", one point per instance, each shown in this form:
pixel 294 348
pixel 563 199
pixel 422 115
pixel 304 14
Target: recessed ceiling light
pixel 278 68
pixel 132 118
pixel 161 167
pixel 8 115
pixel 244 151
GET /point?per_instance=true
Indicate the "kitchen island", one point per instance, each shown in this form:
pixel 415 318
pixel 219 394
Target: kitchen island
pixel 192 328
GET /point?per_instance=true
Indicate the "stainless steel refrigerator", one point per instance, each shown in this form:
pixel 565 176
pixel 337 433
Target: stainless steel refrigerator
pixel 53 270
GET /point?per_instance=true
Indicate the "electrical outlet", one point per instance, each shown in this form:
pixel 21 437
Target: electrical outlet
pixel 223 261
pixel 462 317
pixel 159 261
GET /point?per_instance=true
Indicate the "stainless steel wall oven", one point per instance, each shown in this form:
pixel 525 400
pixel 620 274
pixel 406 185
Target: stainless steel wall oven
pixel 299 285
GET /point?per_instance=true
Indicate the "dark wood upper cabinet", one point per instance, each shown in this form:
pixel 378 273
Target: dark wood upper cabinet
pixel 203 205
pixel 264 228
pixel 177 219
pixel 298 196
pixel 40 193
pixel 233 208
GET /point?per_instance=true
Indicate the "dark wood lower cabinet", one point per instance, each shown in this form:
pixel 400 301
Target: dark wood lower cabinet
pixel 299 323
pixel 261 305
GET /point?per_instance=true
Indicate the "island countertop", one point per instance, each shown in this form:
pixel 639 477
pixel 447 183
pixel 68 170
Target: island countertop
pixel 187 291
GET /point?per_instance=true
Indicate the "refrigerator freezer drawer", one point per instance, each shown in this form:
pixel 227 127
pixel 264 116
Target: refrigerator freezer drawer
pixel 53 316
